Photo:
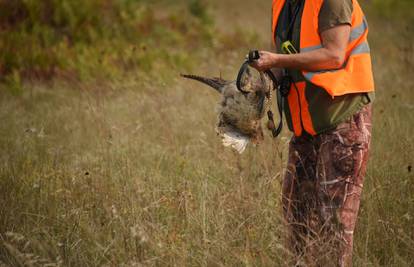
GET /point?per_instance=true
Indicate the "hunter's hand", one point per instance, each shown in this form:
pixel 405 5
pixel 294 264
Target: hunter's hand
pixel 266 61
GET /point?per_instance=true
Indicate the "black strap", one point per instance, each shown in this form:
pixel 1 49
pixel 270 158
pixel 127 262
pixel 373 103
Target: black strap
pixel 280 106
pixel 284 85
pixel 290 18
pixel 282 90
pixel 252 56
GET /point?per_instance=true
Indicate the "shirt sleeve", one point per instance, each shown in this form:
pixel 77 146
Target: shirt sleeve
pixel 334 13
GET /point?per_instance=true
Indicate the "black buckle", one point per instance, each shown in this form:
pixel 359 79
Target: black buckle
pixel 253 55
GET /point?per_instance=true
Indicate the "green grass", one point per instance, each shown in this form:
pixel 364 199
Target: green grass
pixel 127 171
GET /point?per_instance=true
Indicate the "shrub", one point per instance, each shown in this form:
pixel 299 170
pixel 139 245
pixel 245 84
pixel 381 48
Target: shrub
pixel 92 39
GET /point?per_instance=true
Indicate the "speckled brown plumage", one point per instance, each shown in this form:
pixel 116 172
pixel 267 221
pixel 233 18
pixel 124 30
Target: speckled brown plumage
pixel 239 115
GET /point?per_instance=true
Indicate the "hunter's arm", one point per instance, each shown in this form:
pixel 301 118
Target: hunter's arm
pixel 330 56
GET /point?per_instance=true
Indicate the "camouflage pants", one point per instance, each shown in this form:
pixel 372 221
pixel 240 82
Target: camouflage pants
pixel 322 189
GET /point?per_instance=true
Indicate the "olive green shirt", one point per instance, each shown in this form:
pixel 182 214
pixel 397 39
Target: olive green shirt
pixel 332 13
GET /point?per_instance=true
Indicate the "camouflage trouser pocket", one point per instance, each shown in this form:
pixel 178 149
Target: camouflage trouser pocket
pixel 338 169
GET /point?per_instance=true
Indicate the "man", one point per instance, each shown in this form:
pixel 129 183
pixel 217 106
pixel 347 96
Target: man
pixel 328 108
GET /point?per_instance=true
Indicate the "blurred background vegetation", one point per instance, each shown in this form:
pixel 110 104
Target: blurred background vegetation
pixel 96 39
pixel 107 158
pixel 99 39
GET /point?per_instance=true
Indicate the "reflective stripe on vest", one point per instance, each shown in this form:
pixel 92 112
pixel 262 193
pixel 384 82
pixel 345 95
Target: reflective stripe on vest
pixel 355 76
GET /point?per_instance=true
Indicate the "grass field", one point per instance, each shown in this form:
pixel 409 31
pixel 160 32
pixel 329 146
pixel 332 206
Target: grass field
pixel 128 171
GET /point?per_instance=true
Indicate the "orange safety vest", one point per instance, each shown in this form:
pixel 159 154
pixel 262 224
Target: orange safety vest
pixel 355 76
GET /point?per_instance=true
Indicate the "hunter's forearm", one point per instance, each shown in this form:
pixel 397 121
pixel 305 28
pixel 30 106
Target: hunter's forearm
pixel 320 59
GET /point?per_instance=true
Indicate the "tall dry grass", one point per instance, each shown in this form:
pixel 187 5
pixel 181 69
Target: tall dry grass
pixel 130 172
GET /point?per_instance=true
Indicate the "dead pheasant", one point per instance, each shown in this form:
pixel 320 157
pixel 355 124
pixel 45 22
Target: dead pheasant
pixel 240 114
